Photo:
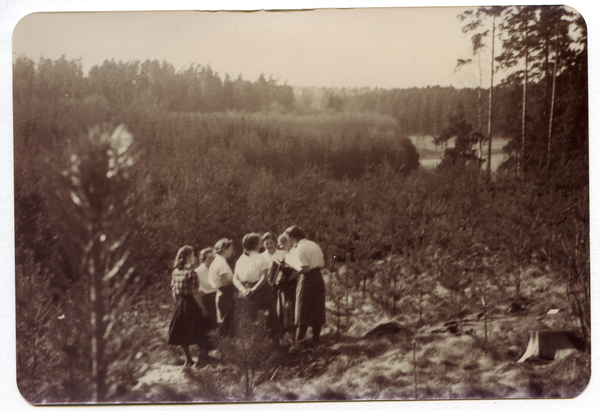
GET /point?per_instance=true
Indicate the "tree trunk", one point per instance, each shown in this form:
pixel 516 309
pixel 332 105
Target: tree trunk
pixel 489 159
pixel 485 319
pixel 394 289
pixel 518 287
pixel 479 111
pixel 415 367
pixel 521 162
pixel 247 381
pixel 364 290
pixel 347 303
pixel 420 306
pixel 552 108
pixel 98 325
pixel 480 153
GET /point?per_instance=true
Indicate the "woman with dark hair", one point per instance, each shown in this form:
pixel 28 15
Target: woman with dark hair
pixel 250 278
pixel 208 294
pixel 220 277
pixel 269 242
pixel 187 325
pixel 285 284
pixel 270 254
pixel 306 257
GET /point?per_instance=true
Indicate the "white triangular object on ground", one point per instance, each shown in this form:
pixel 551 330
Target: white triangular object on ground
pixel 545 343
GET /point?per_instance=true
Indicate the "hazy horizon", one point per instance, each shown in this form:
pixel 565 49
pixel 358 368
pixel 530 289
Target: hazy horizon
pixel 384 47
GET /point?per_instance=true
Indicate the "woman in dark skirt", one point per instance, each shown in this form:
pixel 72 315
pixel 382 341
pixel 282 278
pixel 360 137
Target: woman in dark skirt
pixel 188 324
pixel 306 257
pixel 220 276
pixel 207 291
pixel 286 288
pixel 250 278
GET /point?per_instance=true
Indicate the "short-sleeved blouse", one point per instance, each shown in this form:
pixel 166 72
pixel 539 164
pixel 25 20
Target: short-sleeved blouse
pixel 219 272
pixel 205 286
pixel 292 260
pixel 308 253
pixel 248 267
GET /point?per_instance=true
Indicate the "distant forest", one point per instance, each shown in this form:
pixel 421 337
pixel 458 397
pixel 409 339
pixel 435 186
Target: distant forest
pixel 419 111
pixel 550 43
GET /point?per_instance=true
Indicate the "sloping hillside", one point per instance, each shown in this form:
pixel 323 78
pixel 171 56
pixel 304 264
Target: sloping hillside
pixel 400 360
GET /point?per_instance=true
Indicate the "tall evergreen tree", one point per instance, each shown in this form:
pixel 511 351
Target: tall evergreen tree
pixel 475 23
pixel 519 37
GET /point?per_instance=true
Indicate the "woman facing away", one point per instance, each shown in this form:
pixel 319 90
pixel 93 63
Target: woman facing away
pixel 220 277
pixel 285 284
pixel 208 293
pixel 250 278
pixel 306 257
pixel 187 325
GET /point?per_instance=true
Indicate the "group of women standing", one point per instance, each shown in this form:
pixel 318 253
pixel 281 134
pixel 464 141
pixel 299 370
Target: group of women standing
pixel 284 282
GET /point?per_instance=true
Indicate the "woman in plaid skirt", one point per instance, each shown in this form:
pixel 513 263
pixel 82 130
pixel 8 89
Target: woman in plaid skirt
pixel 188 325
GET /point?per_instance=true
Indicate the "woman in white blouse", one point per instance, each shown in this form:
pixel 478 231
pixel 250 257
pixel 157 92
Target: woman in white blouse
pixel 250 278
pixel 306 257
pixel 220 277
pixel 207 293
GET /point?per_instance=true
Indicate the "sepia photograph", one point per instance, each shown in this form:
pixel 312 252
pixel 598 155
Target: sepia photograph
pixel 307 205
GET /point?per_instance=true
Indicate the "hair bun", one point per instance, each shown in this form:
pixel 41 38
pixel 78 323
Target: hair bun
pixel 251 241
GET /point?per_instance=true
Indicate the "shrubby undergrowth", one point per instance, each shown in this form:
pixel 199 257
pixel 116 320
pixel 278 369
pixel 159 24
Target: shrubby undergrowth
pixel 430 247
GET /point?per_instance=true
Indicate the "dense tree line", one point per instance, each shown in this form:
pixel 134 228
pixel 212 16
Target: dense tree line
pixel 151 83
pixel 419 111
pixel 542 99
pixel 200 89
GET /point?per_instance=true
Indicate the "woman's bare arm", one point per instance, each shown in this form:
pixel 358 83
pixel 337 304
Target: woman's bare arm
pixel 238 284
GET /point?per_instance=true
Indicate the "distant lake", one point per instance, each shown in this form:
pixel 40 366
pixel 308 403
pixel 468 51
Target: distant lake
pixel 430 155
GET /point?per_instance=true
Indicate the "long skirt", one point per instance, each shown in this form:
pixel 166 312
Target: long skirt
pixel 263 300
pixel 286 304
pixel 225 301
pixel 187 325
pixel 310 299
pixel 210 303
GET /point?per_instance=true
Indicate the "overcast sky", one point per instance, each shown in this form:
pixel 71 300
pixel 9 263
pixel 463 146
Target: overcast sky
pixel 377 47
